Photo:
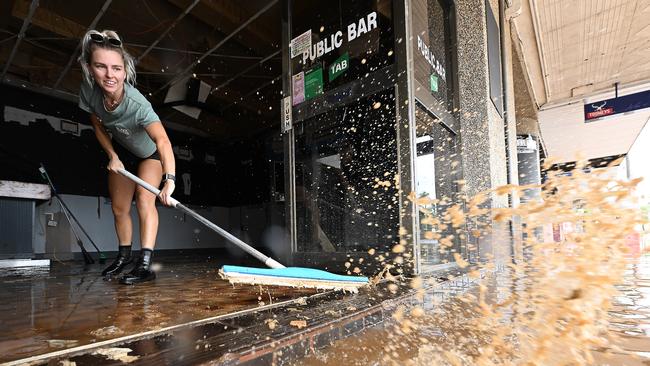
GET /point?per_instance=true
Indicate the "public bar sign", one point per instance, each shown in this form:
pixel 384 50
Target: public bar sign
pixel 335 40
pixel 428 55
pixel 608 107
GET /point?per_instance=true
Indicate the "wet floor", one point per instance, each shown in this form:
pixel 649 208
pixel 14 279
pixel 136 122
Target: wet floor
pixel 453 332
pixel 68 305
pixel 629 319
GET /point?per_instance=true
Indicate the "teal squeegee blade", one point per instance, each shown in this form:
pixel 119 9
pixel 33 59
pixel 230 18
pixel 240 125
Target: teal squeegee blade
pixel 294 273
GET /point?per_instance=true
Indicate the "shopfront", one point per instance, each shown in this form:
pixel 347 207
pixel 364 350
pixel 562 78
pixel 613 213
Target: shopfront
pixel 371 124
pixel 438 166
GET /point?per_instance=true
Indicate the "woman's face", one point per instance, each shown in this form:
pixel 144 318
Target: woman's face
pixel 107 67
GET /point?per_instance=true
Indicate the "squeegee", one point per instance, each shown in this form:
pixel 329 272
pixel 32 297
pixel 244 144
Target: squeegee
pixel 276 274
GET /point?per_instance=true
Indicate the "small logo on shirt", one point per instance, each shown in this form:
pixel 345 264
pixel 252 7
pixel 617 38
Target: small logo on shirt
pixel 123 131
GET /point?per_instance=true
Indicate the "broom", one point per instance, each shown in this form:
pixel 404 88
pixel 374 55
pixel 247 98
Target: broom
pixel 277 274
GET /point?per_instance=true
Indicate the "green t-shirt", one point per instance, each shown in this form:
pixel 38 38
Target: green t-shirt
pixel 127 122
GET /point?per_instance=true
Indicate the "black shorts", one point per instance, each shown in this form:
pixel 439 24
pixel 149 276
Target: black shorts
pixel 130 160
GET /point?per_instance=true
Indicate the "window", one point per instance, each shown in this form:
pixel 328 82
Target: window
pixel 494 59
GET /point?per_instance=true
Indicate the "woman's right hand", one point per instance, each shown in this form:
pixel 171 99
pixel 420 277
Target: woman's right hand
pixel 114 165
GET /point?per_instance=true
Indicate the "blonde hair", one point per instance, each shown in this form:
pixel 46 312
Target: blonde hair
pixel 88 46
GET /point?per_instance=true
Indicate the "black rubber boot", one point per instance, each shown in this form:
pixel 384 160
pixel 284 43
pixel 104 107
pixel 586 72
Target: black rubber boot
pixel 142 271
pixel 123 259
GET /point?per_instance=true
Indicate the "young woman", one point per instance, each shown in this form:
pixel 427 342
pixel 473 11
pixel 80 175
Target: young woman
pixel 132 135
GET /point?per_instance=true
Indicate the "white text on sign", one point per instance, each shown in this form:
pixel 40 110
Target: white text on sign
pixel 335 40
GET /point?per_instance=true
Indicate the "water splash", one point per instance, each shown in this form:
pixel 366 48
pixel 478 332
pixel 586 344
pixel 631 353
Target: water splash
pixel 547 298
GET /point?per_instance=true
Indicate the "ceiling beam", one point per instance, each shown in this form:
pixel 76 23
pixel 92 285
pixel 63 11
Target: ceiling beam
pixel 207 74
pixel 183 73
pixel 245 71
pixel 73 56
pixel 138 45
pixel 21 35
pixel 65 27
pixel 235 11
pixel 164 34
pixel 227 14
pixel 26 85
pixel 48 20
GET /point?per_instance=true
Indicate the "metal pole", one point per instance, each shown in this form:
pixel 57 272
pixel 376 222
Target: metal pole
pixel 74 53
pixel 138 45
pixel 21 35
pixel 231 238
pixel 87 258
pixel 253 91
pixel 182 74
pixel 511 175
pixel 246 70
pixel 164 34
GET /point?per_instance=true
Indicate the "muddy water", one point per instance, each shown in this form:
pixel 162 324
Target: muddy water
pixel 449 335
pixel 70 305
pixel 629 319
pixel 578 298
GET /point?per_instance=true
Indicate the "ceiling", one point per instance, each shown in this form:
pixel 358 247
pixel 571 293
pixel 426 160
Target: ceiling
pixel 233 46
pixel 579 47
pixel 582 51
pixel 568 138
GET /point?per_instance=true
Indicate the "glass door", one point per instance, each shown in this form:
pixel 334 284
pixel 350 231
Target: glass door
pixel 437 169
pixel 346 166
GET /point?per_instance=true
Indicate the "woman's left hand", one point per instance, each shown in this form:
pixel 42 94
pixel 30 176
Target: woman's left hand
pixel 166 192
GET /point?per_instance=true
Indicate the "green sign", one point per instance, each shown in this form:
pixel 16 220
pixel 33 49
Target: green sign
pixel 313 83
pixel 339 66
pixel 433 81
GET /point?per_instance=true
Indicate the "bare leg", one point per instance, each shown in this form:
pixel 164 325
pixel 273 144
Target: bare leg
pixel 121 190
pixel 150 171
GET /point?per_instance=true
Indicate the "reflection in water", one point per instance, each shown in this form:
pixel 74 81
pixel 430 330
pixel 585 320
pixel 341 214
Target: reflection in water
pixel 629 319
pixel 70 305
pixel 579 298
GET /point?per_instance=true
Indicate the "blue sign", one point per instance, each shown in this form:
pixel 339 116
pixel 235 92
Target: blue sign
pixel 608 107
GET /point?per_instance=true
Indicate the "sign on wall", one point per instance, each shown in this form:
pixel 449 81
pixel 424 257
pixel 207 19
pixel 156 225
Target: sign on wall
pixel 301 44
pixel 335 40
pixel 339 66
pixel 334 56
pixel 431 47
pixel 298 87
pixel 430 57
pixel 433 83
pixel 608 107
pixel 313 83
pixel 286 114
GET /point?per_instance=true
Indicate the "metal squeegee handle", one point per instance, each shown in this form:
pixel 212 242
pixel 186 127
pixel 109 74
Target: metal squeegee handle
pixel 270 262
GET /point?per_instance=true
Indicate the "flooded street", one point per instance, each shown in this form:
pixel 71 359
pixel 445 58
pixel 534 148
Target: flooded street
pixel 451 325
pixel 579 298
pixel 629 319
